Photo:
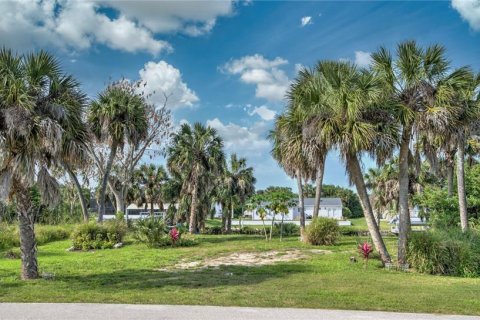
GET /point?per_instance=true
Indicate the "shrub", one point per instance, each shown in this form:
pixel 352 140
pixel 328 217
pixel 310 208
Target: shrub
pixel 154 233
pixel 45 234
pixel 8 237
pixel 251 230
pixel 213 230
pixel 96 236
pixel 150 231
pixel 322 231
pixel 289 229
pixel 445 253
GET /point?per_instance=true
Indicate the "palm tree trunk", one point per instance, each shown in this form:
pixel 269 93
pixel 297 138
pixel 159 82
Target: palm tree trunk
pixel 224 217
pixel 462 197
pixel 301 206
pixel 318 186
pixel 357 177
pixel 193 210
pixel 450 170
pixel 229 219
pixel 403 181
pixel 265 229
pixel 271 226
pixel 78 187
pixel 28 244
pixel 106 174
pixel 151 207
pixel 281 227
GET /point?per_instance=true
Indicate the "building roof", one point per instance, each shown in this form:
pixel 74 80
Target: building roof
pixel 324 202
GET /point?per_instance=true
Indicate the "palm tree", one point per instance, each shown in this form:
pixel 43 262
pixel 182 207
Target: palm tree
pixel 239 183
pixel 38 104
pixel 288 144
pixel 465 123
pixel 117 116
pixel 418 87
pixel 355 124
pixel 152 179
pixel 195 152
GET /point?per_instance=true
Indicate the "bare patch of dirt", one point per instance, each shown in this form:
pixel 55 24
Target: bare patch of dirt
pixel 249 259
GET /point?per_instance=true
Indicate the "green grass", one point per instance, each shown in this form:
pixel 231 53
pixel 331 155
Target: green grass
pixel 359 224
pixel 130 275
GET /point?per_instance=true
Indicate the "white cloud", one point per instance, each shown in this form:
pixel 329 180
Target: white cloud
pixel 246 141
pixel 470 11
pixel 263 112
pixel 163 79
pixel 363 59
pixel 306 21
pixel 271 81
pixel 73 24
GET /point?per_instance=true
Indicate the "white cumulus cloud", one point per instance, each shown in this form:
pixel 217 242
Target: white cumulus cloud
pixel 306 21
pixel 263 112
pixel 363 59
pixel 163 80
pixel 470 11
pixel 271 82
pixel 77 25
pixel 246 141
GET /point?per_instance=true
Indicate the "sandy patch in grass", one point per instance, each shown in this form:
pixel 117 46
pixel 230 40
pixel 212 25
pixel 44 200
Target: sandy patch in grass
pixel 249 259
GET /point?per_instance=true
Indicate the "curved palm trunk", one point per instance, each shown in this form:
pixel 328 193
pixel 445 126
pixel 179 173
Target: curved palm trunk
pixel 318 186
pixel 301 206
pixel 106 174
pixel 265 229
pixel 462 197
pixel 224 217
pixel 357 177
pixel 28 244
pixel 78 187
pixel 193 210
pixel 403 181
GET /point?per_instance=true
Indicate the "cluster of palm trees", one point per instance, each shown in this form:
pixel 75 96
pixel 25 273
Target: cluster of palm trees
pixel 197 158
pixel 411 97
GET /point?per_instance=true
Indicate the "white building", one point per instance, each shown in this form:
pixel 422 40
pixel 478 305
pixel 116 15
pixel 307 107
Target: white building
pixel 329 207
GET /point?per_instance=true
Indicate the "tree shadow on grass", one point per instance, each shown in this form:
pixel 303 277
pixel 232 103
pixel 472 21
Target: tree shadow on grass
pixel 200 278
pixel 230 238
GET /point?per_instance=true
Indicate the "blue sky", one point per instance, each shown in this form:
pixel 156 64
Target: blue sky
pixel 227 64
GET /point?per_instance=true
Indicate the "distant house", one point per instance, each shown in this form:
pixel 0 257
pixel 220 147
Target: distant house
pixel 329 207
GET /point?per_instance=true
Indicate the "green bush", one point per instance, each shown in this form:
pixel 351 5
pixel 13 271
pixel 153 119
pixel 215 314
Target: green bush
pixel 322 231
pixel 9 236
pixel 150 231
pixel 251 230
pixel 45 234
pixel 96 236
pixel 213 230
pixel 289 229
pixel 154 233
pixel 445 253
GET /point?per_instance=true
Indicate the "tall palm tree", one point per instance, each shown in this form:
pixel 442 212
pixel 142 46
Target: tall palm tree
pixel 355 124
pixel 152 178
pixel 38 104
pixel 117 116
pixel 239 183
pixel 195 152
pixel 288 144
pixel 466 123
pixel 418 85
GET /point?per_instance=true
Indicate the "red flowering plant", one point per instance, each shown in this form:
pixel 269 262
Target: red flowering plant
pixel 365 249
pixel 174 235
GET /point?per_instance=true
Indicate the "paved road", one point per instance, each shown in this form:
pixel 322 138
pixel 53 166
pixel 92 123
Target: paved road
pixel 83 311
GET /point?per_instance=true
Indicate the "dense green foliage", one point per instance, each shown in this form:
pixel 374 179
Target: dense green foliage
pixel 154 233
pixel 445 253
pixel 323 231
pixel 98 236
pixel 9 236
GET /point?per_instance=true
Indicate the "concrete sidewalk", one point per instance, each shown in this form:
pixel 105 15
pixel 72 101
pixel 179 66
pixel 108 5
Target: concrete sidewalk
pixel 84 311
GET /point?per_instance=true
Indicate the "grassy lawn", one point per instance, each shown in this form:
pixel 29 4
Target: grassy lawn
pixel 131 275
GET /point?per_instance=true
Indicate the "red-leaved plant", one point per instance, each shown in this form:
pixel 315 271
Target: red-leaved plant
pixel 365 249
pixel 174 235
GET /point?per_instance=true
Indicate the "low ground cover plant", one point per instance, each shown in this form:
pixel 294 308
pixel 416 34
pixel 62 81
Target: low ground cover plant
pixel 154 233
